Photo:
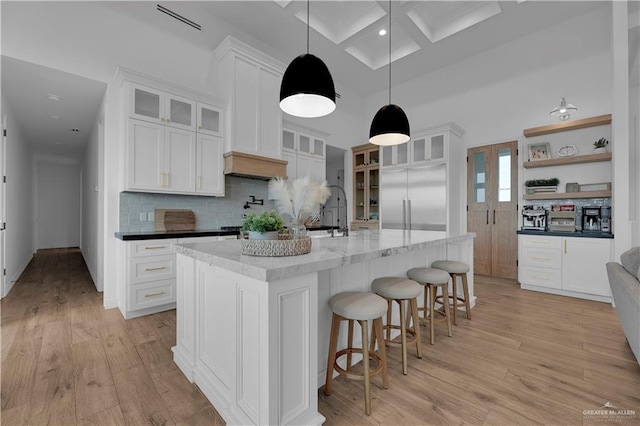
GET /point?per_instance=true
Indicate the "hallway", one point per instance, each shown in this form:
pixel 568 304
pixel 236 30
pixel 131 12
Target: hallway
pixel 66 360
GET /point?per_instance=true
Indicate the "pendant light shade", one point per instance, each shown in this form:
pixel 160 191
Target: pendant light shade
pixel 390 126
pixel 307 88
pixel 564 110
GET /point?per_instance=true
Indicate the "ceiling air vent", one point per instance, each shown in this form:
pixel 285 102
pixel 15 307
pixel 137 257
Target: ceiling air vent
pixel 179 18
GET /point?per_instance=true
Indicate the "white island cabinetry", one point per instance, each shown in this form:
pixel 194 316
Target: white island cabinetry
pixel 253 332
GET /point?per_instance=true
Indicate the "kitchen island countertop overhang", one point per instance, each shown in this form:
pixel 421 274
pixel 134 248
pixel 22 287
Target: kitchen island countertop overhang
pixel 253 332
pixel 326 252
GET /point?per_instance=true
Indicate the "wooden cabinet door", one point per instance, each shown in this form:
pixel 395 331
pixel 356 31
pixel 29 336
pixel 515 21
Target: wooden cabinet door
pixel 492 213
pixel 210 166
pixel 146 157
pixel 180 160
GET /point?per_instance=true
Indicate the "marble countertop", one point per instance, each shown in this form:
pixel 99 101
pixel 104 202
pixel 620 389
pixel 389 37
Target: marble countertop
pixel 326 253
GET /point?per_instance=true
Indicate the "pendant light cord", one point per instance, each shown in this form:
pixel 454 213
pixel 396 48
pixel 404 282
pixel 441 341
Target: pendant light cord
pixel 307 27
pixel 389 52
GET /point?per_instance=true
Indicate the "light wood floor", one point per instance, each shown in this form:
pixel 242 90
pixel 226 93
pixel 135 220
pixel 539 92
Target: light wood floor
pixel 525 358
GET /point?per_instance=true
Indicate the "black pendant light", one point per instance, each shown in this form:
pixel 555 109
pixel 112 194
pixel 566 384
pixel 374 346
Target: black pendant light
pixel 390 125
pixel 307 88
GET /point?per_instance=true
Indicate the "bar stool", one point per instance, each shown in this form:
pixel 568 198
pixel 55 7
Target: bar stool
pixel 358 306
pixel 456 269
pixel 401 290
pixel 433 278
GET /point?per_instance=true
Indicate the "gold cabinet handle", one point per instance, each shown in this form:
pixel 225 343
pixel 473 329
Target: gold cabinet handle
pixel 541 241
pixel 154 247
pixel 199 182
pixel 168 120
pixel 199 127
pixel 565 246
pixel 541 277
pixel 158 268
pixel 541 258
pixel 154 294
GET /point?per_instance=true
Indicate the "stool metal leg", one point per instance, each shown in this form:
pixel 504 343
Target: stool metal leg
pixel 333 347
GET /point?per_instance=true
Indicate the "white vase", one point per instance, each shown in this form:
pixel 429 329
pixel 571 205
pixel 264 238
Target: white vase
pixel 270 235
pixel 600 150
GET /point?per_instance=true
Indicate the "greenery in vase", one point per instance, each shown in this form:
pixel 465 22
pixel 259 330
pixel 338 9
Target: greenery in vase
pixel 542 182
pixel 262 222
pixel 601 143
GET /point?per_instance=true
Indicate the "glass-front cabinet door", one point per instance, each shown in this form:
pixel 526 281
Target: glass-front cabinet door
pixel 209 120
pixel 428 148
pixel 397 155
pixel 160 107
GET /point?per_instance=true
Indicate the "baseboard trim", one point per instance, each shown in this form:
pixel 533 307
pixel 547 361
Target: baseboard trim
pixel 15 277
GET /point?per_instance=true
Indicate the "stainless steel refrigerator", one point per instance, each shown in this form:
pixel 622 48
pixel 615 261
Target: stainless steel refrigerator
pixel 414 198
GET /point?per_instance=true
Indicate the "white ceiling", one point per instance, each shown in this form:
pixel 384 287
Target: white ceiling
pixel 426 35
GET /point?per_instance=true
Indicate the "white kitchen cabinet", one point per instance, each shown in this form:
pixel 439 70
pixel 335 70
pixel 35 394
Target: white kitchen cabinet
pixel 157 106
pixel 210 119
pixel 396 155
pixel 304 151
pixel 160 158
pixel 424 147
pixel 173 137
pixel 250 81
pixel 569 266
pixel 209 166
pixel 151 274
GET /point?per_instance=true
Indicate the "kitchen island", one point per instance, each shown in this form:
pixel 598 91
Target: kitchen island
pixel 252 332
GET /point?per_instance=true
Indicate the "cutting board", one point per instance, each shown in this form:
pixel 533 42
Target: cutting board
pixel 175 220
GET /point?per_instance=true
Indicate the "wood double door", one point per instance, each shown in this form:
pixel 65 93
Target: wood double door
pixel 492 194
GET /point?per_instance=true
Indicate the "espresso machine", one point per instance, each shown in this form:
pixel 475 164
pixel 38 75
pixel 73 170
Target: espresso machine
pixel 534 217
pixel 592 219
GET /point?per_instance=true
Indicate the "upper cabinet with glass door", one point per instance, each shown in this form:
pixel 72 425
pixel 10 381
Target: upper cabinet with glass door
pixel 397 155
pixel 210 120
pixel 428 148
pixel 161 107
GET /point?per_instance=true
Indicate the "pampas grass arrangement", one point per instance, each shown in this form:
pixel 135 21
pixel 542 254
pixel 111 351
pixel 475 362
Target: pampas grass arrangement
pixel 300 198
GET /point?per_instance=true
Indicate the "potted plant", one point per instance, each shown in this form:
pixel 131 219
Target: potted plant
pixel 542 185
pixel 600 145
pixel 263 226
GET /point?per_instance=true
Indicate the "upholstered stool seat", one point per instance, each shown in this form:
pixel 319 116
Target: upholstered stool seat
pixel 358 306
pixel 456 269
pixel 401 290
pixel 433 279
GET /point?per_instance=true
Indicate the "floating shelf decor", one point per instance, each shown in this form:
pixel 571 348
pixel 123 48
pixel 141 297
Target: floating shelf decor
pixel 567 195
pixel 563 161
pixel 600 120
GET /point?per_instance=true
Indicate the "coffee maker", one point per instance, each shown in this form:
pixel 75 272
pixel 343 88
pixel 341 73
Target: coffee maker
pixel 592 219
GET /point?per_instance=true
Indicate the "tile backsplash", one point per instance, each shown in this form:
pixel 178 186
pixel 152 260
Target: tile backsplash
pixel 210 212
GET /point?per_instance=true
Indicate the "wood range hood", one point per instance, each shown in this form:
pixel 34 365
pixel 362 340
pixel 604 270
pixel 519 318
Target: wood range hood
pixel 254 166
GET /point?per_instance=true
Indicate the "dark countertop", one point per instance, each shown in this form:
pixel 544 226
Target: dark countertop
pixel 566 234
pixel 158 235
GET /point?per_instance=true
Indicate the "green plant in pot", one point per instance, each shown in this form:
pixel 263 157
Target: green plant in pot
pixel 600 145
pixel 263 225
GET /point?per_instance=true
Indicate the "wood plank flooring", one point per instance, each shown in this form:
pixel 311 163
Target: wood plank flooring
pixel 525 358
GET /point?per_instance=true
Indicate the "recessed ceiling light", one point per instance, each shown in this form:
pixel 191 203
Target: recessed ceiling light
pixel 54 116
pixel 58 143
pixel 382 32
pixel 73 129
pixel 53 97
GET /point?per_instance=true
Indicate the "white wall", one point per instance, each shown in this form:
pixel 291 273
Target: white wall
pixel 19 201
pixel 57 204
pixel 89 243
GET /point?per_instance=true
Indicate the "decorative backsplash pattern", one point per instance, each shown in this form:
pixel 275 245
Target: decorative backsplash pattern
pixel 211 212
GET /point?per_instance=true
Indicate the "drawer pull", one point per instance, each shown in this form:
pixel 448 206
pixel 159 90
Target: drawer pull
pixel 541 241
pixel 158 268
pixel 541 277
pixel 541 257
pixel 154 247
pixel 154 294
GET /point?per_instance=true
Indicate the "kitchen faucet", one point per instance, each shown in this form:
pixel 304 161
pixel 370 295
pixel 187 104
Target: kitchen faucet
pixel 345 230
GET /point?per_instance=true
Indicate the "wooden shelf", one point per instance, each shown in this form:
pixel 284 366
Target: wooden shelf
pixel 563 161
pixel 569 125
pixel 567 195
